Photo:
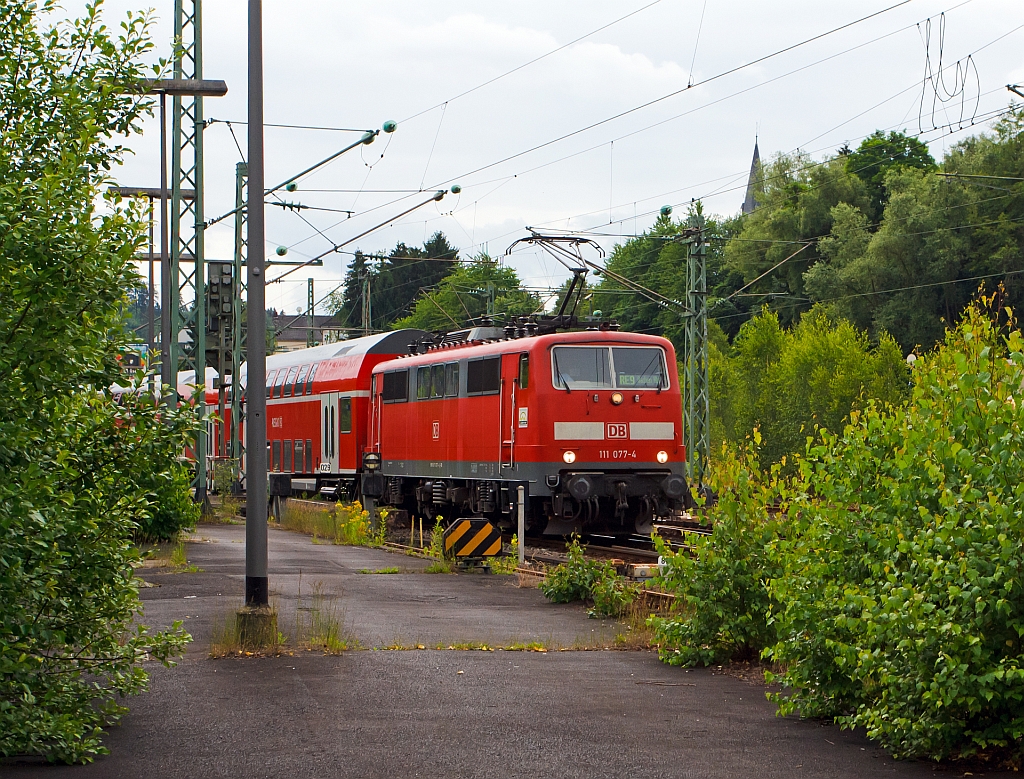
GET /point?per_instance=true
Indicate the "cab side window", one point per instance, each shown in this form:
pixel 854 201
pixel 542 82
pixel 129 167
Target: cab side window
pixel 524 371
pixel 437 381
pixel 451 379
pixel 423 382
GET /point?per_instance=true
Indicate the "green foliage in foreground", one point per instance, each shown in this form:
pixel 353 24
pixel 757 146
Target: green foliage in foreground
pixel 83 474
pixel 902 593
pixel 723 585
pixel 890 591
pixel 580 579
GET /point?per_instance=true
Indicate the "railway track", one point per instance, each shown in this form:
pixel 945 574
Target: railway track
pixel 551 551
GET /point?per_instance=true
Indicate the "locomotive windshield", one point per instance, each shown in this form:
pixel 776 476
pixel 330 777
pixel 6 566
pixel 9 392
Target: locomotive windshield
pixel 639 368
pixel 602 367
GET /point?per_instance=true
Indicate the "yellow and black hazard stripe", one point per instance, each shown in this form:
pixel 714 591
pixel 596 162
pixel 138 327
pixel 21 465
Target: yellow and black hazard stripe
pixel 472 538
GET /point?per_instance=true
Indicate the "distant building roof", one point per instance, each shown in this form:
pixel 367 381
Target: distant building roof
pixel 292 329
pixel 750 202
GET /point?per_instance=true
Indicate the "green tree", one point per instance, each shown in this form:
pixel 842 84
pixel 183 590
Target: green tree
pixel 84 473
pixel 657 260
pixel 794 211
pixel 461 297
pixel 395 281
pixel 880 153
pixel 787 383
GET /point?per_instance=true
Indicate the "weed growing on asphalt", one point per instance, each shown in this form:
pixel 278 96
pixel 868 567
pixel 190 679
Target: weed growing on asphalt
pixel 637 627
pixel 224 510
pixel 322 629
pixel 389 569
pixel 508 563
pixel 526 646
pixel 227 640
pixel 441 563
pixel 529 580
pixel 439 566
pixel 179 559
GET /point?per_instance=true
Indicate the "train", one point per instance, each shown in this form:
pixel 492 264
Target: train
pixel 587 422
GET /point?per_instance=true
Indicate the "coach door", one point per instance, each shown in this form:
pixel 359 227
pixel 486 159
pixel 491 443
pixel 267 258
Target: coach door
pixel 329 432
pixel 509 388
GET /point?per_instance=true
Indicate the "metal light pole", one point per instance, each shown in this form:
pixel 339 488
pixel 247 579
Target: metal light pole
pixel 257 589
pixel 168 368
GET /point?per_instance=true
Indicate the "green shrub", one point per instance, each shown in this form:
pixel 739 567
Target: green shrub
pixel 580 579
pixel 722 585
pixel 574 579
pixel 84 473
pixel 901 602
pixel 612 596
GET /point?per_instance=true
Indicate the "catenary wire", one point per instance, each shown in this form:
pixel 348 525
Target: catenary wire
pixel 676 92
pixel 531 62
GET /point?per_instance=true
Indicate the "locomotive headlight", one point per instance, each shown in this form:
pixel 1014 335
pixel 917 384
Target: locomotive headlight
pixel 616 398
pixel 663 457
pixel 569 457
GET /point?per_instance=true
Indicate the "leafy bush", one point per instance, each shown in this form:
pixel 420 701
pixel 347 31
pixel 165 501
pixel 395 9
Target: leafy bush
pixel 581 579
pixel 574 579
pixel 83 473
pixel 612 596
pixel 723 584
pixel 901 602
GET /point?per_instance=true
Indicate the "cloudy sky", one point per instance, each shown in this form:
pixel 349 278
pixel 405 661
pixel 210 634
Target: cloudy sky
pixel 355 65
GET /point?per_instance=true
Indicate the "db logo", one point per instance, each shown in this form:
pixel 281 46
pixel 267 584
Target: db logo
pixel 437 430
pixel 617 430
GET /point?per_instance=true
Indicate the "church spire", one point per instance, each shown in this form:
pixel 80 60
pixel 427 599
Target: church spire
pixel 750 202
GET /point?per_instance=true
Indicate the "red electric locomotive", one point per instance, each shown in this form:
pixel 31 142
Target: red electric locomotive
pixel 588 422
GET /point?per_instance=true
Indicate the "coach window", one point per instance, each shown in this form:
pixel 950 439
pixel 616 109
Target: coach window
pixel 287 456
pixel 300 380
pixel 423 382
pixel 437 381
pixel 483 377
pixel 309 380
pixel 276 456
pixel 396 386
pixel 451 379
pixel 309 455
pixel 278 383
pixel 345 415
pixel 289 381
pixel 298 454
pixel 270 381
pixel 524 371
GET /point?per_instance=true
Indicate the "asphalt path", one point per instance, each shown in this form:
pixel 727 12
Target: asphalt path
pixel 375 712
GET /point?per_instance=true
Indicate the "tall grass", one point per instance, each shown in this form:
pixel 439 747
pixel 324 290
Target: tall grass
pixel 338 523
pixel 320 625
